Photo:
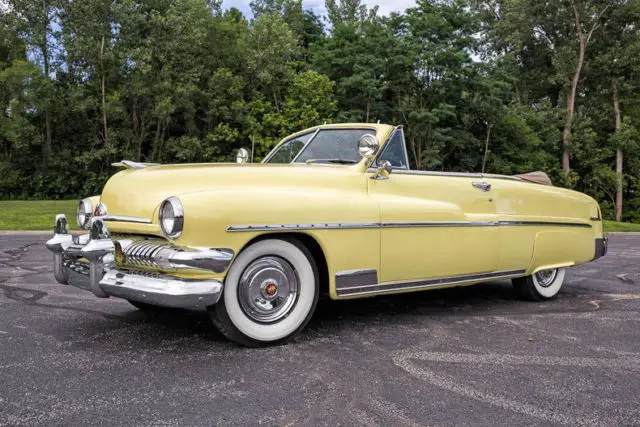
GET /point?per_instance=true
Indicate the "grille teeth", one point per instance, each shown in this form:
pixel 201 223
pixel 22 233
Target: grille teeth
pixel 142 253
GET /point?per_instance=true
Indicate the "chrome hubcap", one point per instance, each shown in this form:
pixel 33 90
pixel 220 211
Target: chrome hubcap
pixel 546 277
pixel 268 289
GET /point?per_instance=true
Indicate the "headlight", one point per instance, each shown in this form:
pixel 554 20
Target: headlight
pixel 83 213
pixel 171 217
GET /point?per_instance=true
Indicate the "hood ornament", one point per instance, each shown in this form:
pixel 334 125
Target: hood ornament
pixel 129 164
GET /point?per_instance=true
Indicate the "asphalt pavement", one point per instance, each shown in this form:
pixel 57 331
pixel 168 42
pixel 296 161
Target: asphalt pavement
pixel 467 356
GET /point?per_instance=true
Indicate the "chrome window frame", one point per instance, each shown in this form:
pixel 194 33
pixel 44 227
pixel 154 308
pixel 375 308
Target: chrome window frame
pixel 404 149
pixel 277 147
pixel 313 136
pixel 331 129
pixel 305 145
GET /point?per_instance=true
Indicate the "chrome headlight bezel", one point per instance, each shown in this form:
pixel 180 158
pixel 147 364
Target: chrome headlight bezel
pixel 84 212
pixel 174 228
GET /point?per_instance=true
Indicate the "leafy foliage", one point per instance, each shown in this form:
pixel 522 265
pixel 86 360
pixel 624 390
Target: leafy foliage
pixel 477 84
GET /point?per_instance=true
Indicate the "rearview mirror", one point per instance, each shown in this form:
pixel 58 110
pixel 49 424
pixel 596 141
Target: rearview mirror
pixel 242 156
pixel 368 145
pixel 384 170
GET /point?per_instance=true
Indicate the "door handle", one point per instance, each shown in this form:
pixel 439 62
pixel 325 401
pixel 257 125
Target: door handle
pixel 482 186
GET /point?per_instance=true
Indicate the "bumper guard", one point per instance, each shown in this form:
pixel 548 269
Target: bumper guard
pixel 89 262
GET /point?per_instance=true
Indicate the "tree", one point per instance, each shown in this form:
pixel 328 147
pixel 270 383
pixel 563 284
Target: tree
pixel 34 21
pixel 563 29
pixel 478 85
pixel 347 12
pixel 271 46
pixel 89 41
pixel 439 89
pixel 615 72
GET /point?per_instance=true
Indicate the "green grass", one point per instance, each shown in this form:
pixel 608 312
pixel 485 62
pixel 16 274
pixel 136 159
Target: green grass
pixel 40 215
pixel 620 226
pixel 35 214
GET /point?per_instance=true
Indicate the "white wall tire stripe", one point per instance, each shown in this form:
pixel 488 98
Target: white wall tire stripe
pixel 553 289
pixel 296 317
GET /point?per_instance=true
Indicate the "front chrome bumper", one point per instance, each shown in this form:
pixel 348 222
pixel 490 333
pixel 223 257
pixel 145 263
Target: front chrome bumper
pixel 138 270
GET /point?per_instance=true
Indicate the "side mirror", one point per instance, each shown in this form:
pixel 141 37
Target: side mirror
pixel 242 156
pixel 384 170
pixel 368 145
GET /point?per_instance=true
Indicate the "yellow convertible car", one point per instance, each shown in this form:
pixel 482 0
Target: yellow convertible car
pixel 334 210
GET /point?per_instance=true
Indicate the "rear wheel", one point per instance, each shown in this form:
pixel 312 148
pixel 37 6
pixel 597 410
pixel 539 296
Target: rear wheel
pixel 541 286
pixel 270 293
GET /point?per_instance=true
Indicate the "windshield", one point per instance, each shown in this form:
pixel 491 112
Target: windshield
pixel 325 146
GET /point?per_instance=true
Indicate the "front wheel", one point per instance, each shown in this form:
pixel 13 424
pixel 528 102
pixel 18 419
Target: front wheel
pixel 270 293
pixel 541 286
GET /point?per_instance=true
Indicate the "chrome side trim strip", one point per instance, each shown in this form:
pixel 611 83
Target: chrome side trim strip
pixel 439 224
pixel 544 223
pixel 354 278
pixel 435 173
pixel 359 225
pixel 427 283
pixel 316 226
pixel 125 218
pixel 457 174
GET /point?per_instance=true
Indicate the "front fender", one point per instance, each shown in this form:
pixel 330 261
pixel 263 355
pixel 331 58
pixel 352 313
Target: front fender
pixel 211 218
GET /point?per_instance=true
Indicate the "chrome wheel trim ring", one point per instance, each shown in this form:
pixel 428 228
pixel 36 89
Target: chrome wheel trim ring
pixel 268 289
pixel 545 278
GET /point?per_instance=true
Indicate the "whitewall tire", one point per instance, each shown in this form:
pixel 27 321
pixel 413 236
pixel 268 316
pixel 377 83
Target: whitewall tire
pixel 540 286
pixel 270 293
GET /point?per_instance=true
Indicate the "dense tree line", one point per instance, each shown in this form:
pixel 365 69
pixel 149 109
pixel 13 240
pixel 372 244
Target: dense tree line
pixel 504 86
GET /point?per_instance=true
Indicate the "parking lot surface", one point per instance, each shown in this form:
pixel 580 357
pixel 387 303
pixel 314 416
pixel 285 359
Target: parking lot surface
pixel 467 356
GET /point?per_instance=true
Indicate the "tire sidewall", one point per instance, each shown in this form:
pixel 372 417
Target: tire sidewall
pixel 304 305
pixel 551 290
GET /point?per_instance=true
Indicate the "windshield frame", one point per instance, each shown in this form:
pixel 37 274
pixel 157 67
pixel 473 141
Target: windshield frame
pixel 318 129
pixel 289 139
pixel 396 129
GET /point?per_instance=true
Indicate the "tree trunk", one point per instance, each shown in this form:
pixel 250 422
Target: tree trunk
pixel 136 132
pixel 572 90
pixel 571 100
pixel 47 111
pixel 275 99
pixel 419 153
pixel 413 150
pixel 156 139
pixel 486 146
pixel 619 154
pixel 104 99
pixel 366 120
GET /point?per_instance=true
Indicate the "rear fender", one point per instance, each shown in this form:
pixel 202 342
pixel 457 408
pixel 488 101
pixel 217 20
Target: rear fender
pixel 561 248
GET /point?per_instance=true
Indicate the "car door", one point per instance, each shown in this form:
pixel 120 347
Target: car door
pixel 435 225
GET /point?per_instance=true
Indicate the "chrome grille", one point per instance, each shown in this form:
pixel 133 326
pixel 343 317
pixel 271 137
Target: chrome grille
pixel 142 253
pixel 161 255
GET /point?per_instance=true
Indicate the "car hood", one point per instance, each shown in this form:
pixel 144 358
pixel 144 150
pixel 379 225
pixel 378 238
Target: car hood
pixel 139 192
